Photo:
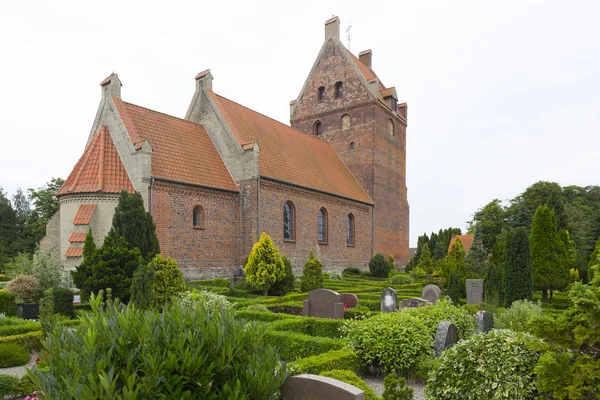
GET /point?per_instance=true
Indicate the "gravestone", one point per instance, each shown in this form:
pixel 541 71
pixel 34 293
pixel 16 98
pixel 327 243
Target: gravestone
pixel 431 293
pixel 349 299
pixel 324 303
pixel 485 321
pixel 315 387
pixel 413 302
pixel 474 291
pixel 389 299
pixel 446 337
pixel 239 275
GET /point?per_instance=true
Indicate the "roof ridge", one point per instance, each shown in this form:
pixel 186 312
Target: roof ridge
pixel 161 113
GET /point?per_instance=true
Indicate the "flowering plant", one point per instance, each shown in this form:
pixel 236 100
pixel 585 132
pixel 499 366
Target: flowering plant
pixel 34 396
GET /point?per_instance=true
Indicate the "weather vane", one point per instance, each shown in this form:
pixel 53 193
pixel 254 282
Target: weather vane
pixel 349 36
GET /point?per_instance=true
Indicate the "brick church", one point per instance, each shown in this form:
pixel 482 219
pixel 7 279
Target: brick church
pixel 334 181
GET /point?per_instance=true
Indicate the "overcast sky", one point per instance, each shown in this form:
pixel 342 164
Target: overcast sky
pixel 500 94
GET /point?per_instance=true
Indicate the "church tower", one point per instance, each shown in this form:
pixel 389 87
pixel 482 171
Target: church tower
pixel 344 103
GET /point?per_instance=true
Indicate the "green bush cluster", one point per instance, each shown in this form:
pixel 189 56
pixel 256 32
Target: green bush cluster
pixel 292 345
pixel 401 279
pixel 13 355
pixel 168 279
pixel 257 307
pixel 31 340
pixel 379 266
pixel 312 274
pixel 267 316
pixel 264 266
pixel 205 300
pixel 352 379
pixel 352 271
pixel 336 359
pixel 322 327
pixel 519 316
pixel 62 299
pixel 9 385
pixel 8 304
pixel 10 326
pixel 443 310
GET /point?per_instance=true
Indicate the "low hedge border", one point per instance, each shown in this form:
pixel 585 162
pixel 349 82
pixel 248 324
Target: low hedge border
pixel 263 316
pixel 331 360
pixel 321 327
pixel 20 328
pixel 31 341
pixel 292 346
pixel 292 308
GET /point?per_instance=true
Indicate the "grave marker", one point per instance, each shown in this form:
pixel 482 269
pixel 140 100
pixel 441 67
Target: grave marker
pixel 446 337
pixel 324 303
pixel 485 321
pixel 389 300
pixel 349 299
pixel 431 293
pixel 474 291
pixel 315 387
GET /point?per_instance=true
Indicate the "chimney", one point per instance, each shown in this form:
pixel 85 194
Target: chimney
pixel 332 28
pixel 365 57
pixel 111 86
pixel 204 80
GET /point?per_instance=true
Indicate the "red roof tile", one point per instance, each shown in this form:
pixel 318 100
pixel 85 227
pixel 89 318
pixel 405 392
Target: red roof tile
pixel 387 92
pixel 107 80
pixel 466 240
pixel 84 214
pixel 77 237
pixel 74 252
pixel 181 150
pixel 99 169
pixel 290 155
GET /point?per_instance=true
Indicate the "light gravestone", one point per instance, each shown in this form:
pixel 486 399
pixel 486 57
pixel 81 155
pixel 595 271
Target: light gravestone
pixel 474 291
pixel 446 337
pixel 349 299
pixel 389 299
pixel 431 293
pixel 315 387
pixel 413 302
pixel 324 303
pixel 485 321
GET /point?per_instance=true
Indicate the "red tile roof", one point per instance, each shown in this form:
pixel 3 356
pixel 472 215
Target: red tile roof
pixel 77 237
pixel 74 252
pixel 99 169
pixel 84 214
pixel 387 92
pixel 466 240
pixel 181 150
pixel 290 155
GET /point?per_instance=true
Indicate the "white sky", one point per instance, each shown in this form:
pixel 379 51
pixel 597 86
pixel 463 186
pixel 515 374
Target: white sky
pixel 500 94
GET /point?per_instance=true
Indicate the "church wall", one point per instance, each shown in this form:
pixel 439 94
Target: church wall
pixel 51 242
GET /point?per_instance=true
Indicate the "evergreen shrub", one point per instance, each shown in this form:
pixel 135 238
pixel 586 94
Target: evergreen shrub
pixel 454 290
pixel 312 274
pixel 352 379
pixel 13 355
pixel 267 316
pixel 401 279
pixel 8 304
pixel 444 310
pixel 352 271
pixel 10 326
pixel 9 385
pixel 168 279
pixel 31 340
pixel 142 284
pixel 323 327
pixel 264 266
pixel 336 276
pixel 519 316
pixel 286 284
pixel 257 307
pixel 62 299
pixel 379 266
pixel 337 359
pixel 395 388
pixel 291 345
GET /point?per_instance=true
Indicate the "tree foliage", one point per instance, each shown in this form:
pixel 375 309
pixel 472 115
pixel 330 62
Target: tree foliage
pixel 142 285
pixel 379 266
pixel 425 261
pixel 264 266
pixel 489 222
pixel 518 281
pixel 312 274
pixel 168 279
pixel 286 284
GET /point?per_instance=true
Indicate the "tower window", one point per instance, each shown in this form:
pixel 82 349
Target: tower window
pixel 352 145
pixel 391 127
pixel 198 218
pixel 322 226
pixel 289 217
pixel 350 230
pixel 321 93
pixel 318 128
pixel 345 122
pixel 394 104
pixel 339 90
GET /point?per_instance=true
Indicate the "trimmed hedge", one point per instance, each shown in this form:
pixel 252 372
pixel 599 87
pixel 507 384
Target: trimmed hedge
pixel 292 346
pixel 13 355
pixel 336 359
pixel 62 298
pixel 262 316
pixel 9 385
pixel 359 312
pixel 352 379
pixel 8 305
pixel 18 327
pixel 31 340
pixel 292 308
pixel 322 327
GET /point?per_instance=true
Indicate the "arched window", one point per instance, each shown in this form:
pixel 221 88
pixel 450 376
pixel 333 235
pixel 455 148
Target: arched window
pixel 318 128
pixel 198 218
pixel 323 226
pixel 391 127
pixel 321 93
pixel 350 230
pixel 345 122
pixel 352 145
pixel 339 90
pixel 289 221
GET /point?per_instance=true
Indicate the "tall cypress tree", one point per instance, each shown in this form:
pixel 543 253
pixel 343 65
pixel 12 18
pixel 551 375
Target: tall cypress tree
pixel 425 261
pixel 135 225
pixel 548 253
pixel 518 283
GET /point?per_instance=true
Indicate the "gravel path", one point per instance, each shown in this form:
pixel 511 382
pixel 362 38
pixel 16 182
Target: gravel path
pixel 19 371
pixel 377 385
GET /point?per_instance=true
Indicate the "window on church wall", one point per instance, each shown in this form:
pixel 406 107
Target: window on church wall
pixel 289 221
pixel 321 93
pixel 352 145
pixel 350 230
pixel 345 122
pixel 394 104
pixel 391 127
pixel 339 90
pixel 198 218
pixel 318 128
pixel 322 226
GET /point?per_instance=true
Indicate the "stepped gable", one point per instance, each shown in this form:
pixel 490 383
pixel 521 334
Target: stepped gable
pixel 99 170
pixel 289 155
pixel 181 150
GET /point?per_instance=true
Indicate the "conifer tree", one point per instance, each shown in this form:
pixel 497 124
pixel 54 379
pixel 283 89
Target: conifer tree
pixel 455 260
pixel 494 284
pixel 425 261
pixel 587 274
pixel 264 266
pixel 142 285
pixel 518 284
pixel 477 257
pixel 84 271
pixel 547 253
pixel 312 274
pixel 135 225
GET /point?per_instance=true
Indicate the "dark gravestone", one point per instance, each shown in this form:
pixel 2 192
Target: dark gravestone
pixel 315 387
pixel 239 275
pixel 485 321
pixel 474 291
pixel 28 310
pixel 349 299
pixel 389 299
pixel 446 337
pixel 431 293
pixel 324 303
pixel 414 302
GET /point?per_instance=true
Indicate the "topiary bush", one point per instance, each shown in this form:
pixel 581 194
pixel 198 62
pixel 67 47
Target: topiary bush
pixel 62 299
pixel 443 310
pixel 168 279
pixel 499 364
pixel 13 355
pixel 8 304
pixel 286 284
pixel 379 266
pixel 9 385
pixel 312 274
pixel 177 353
pixel 401 279
pixel 392 342
pixel 25 287
pixel 519 316
pixel 264 266
pixel 292 345
pixel 351 378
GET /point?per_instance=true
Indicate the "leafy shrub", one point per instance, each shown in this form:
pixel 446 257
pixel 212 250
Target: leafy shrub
pixel 62 299
pixel 8 304
pixel 359 312
pixel 31 340
pixel 519 316
pixel 336 359
pixel 179 352
pixel 323 327
pixel 264 266
pixel 46 268
pixel 312 274
pixel 204 299
pixel 395 388
pixel 564 375
pixel 142 283
pixel 292 345
pixel 393 342
pixel 496 365
pixel 336 276
pixel 401 279
pixel 24 287
pixel 352 379
pixel 9 385
pixel 168 279
pixel 257 307
pixel 379 266
pixel 286 284
pixel 12 355
pixel 26 385
pixel 443 310
pixel 418 272
pixel 352 271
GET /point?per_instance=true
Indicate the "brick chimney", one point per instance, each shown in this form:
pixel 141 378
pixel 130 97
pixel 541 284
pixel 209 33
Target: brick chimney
pixel 365 57
pixel 204 80
pixel 332 28
pixel 111 86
